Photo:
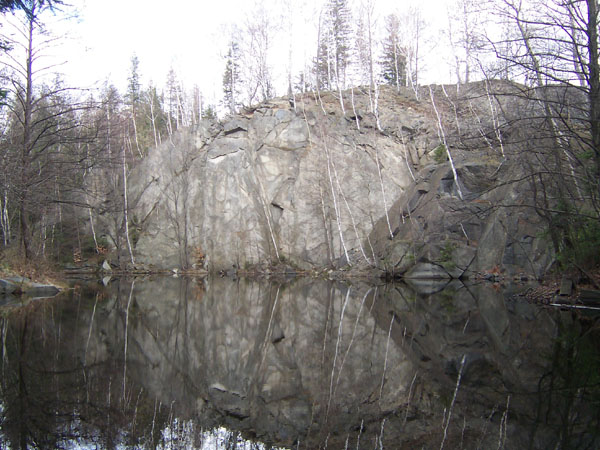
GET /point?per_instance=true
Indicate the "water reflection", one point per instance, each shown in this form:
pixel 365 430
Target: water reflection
pixel 220 363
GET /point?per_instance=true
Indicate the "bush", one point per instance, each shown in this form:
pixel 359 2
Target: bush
pixel 446 253
pixel 440 155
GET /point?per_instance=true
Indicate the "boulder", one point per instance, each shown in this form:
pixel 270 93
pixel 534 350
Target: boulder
pixel 38 290
pixel 24 286
pixel 7 287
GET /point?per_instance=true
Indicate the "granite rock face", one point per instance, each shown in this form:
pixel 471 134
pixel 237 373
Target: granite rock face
pixel 302 185
pixel 438 235
pixel 318 186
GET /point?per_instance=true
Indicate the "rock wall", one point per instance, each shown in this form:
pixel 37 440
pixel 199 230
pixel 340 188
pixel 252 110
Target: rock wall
pixel 489 233
pixel 313 185
pixel 299 185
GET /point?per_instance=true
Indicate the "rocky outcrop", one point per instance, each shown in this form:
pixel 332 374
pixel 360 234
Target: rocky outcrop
pixel 317 186
pixel 299 185
pixel 435 234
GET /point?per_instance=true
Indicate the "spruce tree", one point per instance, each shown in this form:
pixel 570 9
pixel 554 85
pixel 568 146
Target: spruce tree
pixel 333 55
pixel 231 78
pixel 393 63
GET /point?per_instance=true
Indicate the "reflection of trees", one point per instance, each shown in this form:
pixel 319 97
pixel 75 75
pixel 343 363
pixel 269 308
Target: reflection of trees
pixel 50 398
pixel 62 378
pixel 518 376
pixel 569 393
pixel 321 361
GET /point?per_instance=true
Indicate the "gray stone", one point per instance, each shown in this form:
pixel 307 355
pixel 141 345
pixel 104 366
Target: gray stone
pixel 427 271
pixel 7 287
pixel 41 290
pixel 566 287
pixel 276 187
pixel 234 125
pixel 21 285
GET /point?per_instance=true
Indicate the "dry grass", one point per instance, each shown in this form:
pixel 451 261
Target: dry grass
pixel 40 270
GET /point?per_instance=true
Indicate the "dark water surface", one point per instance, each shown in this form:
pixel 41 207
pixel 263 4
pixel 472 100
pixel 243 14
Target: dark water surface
pixel 304 364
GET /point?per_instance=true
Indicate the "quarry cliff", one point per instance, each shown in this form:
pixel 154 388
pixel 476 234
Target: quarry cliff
pixel 421 185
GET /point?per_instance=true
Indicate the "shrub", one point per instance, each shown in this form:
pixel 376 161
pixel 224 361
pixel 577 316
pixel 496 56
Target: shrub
pixel 446 256
pixel 440 155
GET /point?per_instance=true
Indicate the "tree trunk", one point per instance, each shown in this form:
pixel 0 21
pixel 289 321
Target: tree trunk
pixel 594 83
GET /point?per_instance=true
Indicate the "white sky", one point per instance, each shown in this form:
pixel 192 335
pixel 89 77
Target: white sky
pixel 188 35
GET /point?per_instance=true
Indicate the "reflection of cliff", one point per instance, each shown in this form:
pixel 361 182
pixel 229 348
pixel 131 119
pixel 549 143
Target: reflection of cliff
pixel 308 361
pixel 259 358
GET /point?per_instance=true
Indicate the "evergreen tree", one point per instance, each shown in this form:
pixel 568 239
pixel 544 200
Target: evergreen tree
pixel 231 78
pixel 26 6
pixel 209 113
pixel 393 63
pixel 133 98
pixel 154 114
pixel 333 55
pixel 133 95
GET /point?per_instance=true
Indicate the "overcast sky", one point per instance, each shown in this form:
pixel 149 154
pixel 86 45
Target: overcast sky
pixel 188 35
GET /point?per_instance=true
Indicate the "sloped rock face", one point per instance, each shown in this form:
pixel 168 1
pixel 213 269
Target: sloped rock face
pixel 482 216
pixel 302 185
pixel 435 234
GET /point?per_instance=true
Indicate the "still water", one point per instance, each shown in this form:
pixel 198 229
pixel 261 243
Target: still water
pixel 301 364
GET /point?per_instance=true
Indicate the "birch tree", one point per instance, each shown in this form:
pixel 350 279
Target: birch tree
pixel 552 50
pixel 464 36
pixel 366 26
pixel 258 31
pixel 413 28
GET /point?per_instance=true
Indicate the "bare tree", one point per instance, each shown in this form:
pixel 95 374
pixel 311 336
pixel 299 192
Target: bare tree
pixel 551 48
pixel 366 25
pixel 465 37
pixel 41 146
pixel 413 27
pixel 258 32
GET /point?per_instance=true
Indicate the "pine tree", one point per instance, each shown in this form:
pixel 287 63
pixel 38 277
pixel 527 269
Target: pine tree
pixel 393 64
pixel 333 54
pixel 231 78
pixel 133 94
